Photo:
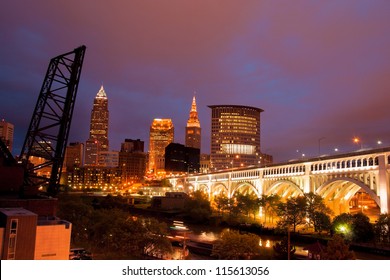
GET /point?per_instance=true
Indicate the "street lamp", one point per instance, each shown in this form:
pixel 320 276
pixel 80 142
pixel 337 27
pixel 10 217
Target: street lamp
pixel 319 145
pixel 237 157
pixel 357 140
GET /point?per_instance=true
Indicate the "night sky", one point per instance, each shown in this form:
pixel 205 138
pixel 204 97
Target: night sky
pixel 317 68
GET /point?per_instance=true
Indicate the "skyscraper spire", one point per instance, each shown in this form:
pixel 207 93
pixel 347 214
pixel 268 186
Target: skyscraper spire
pixel 98 132
pixel 101 93
pixel 193 106
pixel 193 120
pixel 193 130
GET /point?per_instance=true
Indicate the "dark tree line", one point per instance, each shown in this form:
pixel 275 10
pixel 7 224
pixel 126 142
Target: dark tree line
pixel 108 230
pixel 309 210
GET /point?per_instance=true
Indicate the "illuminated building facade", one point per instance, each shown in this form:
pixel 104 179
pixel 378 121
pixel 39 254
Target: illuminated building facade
pixel 40 154
pixel 24 235
pixel 43 149
pixel 7 133
pixel 204 163
pixel 132 161
pixel 91 153
pixel 161 135
pixel 74 155
pixel 108 158
pixel 235 136
pixel 179 158
pixel 98 133
pixel 94 178
pixel 193 130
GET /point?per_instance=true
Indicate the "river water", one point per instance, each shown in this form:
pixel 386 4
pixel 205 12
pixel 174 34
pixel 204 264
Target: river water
pixel 205 234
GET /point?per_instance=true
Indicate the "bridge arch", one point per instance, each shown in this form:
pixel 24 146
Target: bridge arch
pixel 324 188
pixel 204 188
pixel 284 188
pixel 247 188
pixel 341 190
pixel 218 189
pixel 188 187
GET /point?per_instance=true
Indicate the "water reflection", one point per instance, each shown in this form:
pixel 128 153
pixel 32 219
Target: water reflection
pixel 209 235
pixel 266 243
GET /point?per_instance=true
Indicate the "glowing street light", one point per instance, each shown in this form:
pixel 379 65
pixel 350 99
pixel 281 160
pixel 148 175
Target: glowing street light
pixel 235 157
pixel 357 140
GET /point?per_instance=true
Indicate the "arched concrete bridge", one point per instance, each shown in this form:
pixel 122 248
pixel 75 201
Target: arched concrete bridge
pixel 336 178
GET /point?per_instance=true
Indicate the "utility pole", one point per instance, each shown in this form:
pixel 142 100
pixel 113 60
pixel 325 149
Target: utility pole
pixel 319 145
pixel 288 242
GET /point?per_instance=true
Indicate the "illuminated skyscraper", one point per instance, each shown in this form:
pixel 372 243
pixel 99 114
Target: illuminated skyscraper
pixel 193 130
pixel 74 155
pixel 7 133
pixel 132 161
pixel 161 135
pixel 99 120
pixel 98 133
pixel 235 136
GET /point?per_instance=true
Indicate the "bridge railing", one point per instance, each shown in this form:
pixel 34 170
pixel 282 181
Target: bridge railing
pixel 351 162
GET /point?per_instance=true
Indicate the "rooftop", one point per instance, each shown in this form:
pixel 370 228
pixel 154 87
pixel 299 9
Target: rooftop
pixel 16 212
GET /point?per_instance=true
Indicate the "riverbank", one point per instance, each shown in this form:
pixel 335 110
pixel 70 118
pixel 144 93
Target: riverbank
pixel 209 232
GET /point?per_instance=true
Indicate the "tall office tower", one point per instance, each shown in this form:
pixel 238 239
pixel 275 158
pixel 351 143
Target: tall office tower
pixel 132 146
pixel 161 135
pixel 74 155
pixel 132 161
pixel 108 158
pixel 235 136
pixel 91 152
pixel 179 158
pixel 193 130
pixel 98 133
pixel 204 163
pixel 7 133
pixel 42 149
pixel 73 162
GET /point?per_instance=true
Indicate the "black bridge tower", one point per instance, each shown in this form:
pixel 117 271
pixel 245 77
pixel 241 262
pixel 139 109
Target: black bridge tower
pixel 48 132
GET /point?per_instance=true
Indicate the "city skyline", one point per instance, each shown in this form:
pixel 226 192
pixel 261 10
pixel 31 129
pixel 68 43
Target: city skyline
pixel 318 70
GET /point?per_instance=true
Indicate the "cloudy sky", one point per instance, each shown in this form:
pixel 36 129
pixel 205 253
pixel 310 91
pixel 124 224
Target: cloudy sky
pixel 317 68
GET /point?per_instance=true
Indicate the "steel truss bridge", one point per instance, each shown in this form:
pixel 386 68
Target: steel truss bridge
pixel 336 178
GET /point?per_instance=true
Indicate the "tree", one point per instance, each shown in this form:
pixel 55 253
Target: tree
pixel 221 202
pixel 321 221
pixel 281 249
pixel 247 203
pixel 197 207
pixel 155 241
pixel 116 234
pixel 362 228
pixel 382 228
pixel 111 202
pixel 337 249
pixel 236 246
pixel 76 211
pixel 342 225
pixel 270 204
pixel 292 213
pixel 314 206
pixel 111 232
pixel 355 227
